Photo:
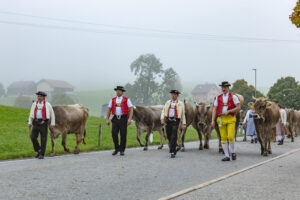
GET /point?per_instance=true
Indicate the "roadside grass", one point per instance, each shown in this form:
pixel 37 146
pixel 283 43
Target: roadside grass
pixel 15 141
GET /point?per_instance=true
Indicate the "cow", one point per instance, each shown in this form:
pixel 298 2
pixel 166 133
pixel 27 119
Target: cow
pixel 69 119
pixel 189 116
pixel 202 123
pixel 147 119
pixel 296 122
pixel 242 115
pixel 266 115
pixel 290 113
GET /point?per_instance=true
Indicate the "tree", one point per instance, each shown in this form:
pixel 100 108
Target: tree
pixel 2 90
pixel 170 81
pixel 241 87
pixel 147 68
pixel 23 102
pixel 286 92
pixel 295 16
pixel 61 99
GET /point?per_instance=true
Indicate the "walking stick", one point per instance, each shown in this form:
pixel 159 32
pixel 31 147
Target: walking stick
pixel 100 134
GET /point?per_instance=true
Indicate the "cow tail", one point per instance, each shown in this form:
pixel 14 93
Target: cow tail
pixel 83 140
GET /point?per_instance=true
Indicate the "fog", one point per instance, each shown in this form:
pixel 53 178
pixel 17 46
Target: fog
pixel 96 56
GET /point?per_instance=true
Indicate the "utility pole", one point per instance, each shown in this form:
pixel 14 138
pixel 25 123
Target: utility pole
pixel 255 70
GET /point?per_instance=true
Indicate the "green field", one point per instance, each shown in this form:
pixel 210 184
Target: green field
pixel 15 141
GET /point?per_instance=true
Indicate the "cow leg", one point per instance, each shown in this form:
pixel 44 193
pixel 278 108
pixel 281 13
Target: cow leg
pixel 219 138
pixel 200 139
pixel 265 146
pixel 147 139
pixel 207 136
pixel 245 136
pixel 291 134
pixel 52 143
pixel 78 141
pixel 138 137
pixel 63 142
pixel 269 147
pixel 161 139
pixel 182 140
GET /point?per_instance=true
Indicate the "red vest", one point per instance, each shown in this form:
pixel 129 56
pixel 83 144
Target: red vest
pixel 175 109
pixel 44 114
pixel 123 105
pixel 230 104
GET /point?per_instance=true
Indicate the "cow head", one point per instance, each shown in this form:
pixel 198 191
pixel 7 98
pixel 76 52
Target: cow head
pixel 260 107
pixel 202 115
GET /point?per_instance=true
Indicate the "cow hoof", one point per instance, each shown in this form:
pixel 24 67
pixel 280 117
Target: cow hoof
pixel 206 147
pixel 160 147
pixel 76 151
pixel 200 148
pixel 52 154
pixel 265 154
pixel 270 152
pixel 182 149
pixel 145 148
pixel 221 151
pixel 142 145
pixel 244 140
pixel 67 150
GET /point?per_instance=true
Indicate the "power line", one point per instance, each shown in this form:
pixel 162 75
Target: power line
pixel 151 32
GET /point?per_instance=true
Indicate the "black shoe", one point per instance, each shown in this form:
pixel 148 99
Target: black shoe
pixel 177 149
pixel 37 154
pixel 226 159
pixel 122 153
pixel 252 141
pixel 115 152
pixel 172 155
pixel 233 156
pixel 280 142
pixel 255 140
pixel 41 157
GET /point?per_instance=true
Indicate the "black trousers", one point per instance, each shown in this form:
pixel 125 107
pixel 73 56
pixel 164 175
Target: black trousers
pixel 119 125
pixel 172 133
pixel 39 126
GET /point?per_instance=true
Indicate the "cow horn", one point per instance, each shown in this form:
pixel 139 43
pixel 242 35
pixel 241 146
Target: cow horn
pixel 254 98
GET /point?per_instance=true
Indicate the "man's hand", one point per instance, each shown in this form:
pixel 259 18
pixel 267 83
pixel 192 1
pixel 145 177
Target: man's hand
pixel 226 113
pixel 128 122
pixel 213 124
pixel 162 122
pixel 29 126
pixel 107 122
pixel 183 126
pixel 52 126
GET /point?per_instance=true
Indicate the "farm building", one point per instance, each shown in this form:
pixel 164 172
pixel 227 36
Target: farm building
pixel 205 93
pixel 54 86
pixel 21 88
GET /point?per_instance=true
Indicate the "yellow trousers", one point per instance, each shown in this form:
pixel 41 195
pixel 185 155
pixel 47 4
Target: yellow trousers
pixel 227 127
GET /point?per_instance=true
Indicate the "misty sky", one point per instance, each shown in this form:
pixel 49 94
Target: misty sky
pixel 98 58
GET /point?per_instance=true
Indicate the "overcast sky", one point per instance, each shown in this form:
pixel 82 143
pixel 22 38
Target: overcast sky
pixel 96 55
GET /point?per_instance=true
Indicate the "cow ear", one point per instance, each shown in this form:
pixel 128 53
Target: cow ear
pixel 207 108
pixel 269 104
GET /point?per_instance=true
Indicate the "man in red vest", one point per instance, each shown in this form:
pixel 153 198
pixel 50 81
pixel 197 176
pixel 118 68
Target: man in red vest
pixel 122 110
pixel 226 106
pixel 41 112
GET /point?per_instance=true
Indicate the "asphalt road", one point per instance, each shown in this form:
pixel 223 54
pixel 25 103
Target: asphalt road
pixel 148 175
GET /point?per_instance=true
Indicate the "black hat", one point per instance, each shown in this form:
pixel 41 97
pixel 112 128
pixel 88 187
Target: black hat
pixel 225 84
pixel 175 92
pixel 120 88
pixel 41 93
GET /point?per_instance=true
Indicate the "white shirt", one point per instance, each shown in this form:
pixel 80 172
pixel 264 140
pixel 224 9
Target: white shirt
pixel 172 109
pixel 49 113
pixel 118 108
pixel 39 110
pixel 283 116
pixel 225 100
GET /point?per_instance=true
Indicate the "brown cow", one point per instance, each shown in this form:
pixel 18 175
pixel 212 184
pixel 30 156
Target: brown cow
pixel 189 115
pixel 290 121
pixel 147 119
pixel 296 122
pixel 69 119
pixel 266 116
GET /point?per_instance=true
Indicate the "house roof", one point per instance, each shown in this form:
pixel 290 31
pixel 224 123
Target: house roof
pixel 21 84
pixel 57 83
pixel 204 88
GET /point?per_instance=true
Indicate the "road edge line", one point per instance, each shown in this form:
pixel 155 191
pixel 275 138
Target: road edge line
pixel 210 182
